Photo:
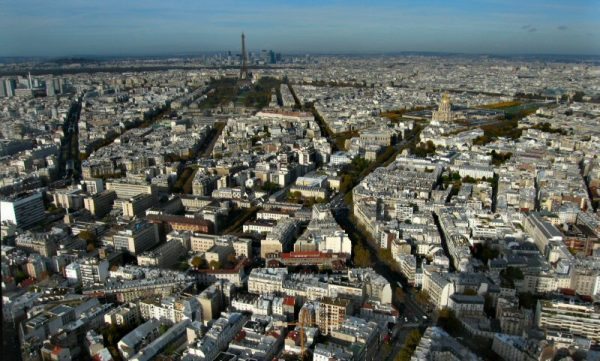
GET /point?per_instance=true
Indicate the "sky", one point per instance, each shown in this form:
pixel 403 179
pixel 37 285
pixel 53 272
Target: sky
pixel 60 28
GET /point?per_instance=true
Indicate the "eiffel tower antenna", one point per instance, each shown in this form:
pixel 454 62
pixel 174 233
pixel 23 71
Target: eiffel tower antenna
pixel 244 69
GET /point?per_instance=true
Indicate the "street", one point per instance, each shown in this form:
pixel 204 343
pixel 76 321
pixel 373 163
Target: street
pixel 412 315
pixel 69 165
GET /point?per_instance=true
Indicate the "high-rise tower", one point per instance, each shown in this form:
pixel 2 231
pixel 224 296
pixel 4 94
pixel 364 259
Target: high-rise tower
pixel 244 68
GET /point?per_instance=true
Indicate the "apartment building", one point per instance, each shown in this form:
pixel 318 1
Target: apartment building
pixel 137 238
pixel 24 210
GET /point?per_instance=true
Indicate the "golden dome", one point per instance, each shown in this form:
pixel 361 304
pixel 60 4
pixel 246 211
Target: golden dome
pixel 446 98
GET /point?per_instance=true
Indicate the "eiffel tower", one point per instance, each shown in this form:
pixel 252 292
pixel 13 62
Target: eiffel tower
pixel 244 69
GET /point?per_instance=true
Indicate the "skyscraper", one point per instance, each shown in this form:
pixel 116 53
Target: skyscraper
pixel 10 85
pixel 2 89
pixel 50 91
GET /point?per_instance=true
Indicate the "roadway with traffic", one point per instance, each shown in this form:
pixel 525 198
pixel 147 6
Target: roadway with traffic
pixel 69 163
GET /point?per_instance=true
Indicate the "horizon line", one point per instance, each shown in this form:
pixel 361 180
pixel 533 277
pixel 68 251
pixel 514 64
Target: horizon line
pixel 297 53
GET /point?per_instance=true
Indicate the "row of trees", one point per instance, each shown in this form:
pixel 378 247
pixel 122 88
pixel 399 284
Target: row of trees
pixel 410 344
pixel 501 105
pixel 362 257
pixel 296 197
pixel 350 178
pixel 547 128
pixel 182 185
pixel 200 263
pixel 359 167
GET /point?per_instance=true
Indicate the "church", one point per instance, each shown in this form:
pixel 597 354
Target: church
pixel 444 113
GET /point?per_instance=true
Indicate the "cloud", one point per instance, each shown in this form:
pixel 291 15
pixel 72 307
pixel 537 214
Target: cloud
pixel 532 30
pixel 562 27
pixel 524 27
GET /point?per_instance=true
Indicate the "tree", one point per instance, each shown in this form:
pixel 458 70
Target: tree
pixel 198 262
pixel 410 344
pixel 359 164
pixel 362 258
pixel 422 150
pixel 527 300
pixel 469 179
pixel 231 258
pixel 348 199
pixel 422 296
pixel 20 276
pixel 347 183
pixel 413 338
pixel 484 252
pixel 547 128
pixel 87 236
pixel 448 321
pixel 215 265
pixel 112 334
pixel 500 158
pixel 270 187
pixel 403 355
pixel 294 196
pixel 385 255
pixel 511 274
pixel 482 140
pixel 90 240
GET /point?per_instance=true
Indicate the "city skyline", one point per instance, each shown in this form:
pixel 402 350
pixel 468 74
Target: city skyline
pixel 393 193
pixel 35 28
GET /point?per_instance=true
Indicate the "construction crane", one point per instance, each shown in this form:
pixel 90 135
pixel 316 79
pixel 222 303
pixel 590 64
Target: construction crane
pixel 302 326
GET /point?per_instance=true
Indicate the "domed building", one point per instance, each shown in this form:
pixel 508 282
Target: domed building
pixel 444 112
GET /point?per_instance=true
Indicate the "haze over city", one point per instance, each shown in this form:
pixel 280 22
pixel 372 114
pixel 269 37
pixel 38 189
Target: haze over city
pixel 75 27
